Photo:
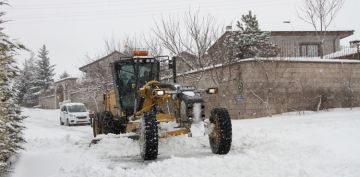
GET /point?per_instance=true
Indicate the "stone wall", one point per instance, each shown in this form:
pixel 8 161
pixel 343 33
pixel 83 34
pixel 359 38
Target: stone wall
pixel 263 87
pixel 47 102
pixel 255 88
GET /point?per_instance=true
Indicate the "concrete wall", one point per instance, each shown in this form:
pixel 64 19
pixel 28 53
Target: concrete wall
pixel 256 88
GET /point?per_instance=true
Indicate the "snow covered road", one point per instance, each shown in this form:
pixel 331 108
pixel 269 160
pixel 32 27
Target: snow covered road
pixel 325 144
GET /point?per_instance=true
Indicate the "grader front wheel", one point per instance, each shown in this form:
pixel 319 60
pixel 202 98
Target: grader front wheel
pixel 149 137
pixel 220 136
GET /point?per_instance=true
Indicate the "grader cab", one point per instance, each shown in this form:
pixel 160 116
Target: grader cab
pixel 139 103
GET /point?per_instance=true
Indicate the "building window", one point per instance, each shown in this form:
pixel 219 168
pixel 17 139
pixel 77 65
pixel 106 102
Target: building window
pixel 309 50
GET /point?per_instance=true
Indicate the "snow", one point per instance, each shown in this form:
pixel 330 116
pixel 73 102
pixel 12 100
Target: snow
pixel 72 104
pixel 189 93
pixel 323 144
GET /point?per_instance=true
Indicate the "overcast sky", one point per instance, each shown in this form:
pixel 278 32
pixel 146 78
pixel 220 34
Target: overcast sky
pixel 72 29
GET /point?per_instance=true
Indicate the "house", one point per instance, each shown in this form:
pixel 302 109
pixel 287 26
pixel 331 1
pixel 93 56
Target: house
pixel 102 64
pixel 307 43
pixel 299 43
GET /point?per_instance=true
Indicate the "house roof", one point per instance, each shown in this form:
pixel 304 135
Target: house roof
pixel 102 58
pixel 342 34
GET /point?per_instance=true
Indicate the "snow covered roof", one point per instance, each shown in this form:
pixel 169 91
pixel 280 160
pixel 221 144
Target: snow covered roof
pixel 341 34
pixel 66 78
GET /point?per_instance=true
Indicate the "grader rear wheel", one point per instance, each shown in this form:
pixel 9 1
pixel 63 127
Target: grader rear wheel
pixel 220 136
pixel 149 137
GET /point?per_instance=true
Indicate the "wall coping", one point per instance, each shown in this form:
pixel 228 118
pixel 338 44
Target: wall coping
pixel 271 59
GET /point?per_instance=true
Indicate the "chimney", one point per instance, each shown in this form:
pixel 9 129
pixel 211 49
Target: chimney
pixel 228 28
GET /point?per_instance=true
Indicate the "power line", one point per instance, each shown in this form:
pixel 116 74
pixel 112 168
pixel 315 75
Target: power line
pixel 132 13
pixel 145 5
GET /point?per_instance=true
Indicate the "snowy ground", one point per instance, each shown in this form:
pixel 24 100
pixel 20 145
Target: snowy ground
pixel 325 144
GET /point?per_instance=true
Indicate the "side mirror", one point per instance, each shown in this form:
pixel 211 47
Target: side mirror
pixel 104 98
pixel 171 63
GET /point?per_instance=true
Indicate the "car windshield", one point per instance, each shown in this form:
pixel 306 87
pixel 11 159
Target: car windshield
pixel 76 108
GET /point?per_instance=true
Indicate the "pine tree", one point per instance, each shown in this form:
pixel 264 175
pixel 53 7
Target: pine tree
pixel 26 83
pixel 249 41
pixel 64 75
pixel 10 119
pixel 45 72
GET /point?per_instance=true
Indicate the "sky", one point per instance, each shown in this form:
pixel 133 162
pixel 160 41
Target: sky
pixel 75 29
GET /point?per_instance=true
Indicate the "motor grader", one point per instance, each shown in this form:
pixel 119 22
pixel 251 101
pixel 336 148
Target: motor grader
pixel 139 104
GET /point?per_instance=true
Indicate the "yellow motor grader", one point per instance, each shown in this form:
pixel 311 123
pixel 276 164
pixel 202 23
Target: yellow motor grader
pixel 139 104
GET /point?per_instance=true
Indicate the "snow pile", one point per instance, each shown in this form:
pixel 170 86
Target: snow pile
pixel 324 144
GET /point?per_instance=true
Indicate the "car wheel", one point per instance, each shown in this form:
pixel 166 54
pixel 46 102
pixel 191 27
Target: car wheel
pixel 67 122
pixel 61 123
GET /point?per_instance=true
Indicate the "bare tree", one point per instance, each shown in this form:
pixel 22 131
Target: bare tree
pixel 112 45
pixel 153 44
pixel 189 37
pixel 96 82
pixel 320 14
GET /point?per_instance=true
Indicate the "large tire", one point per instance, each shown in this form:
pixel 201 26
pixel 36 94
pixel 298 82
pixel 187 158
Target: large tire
pixel 108 124
pixel 220 136
pixel 149 137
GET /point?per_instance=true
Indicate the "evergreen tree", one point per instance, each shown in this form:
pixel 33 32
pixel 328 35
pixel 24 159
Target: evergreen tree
pixel 249 41
pixel 45 71
pixel 27 85
pixel 64 75
pixel 10 119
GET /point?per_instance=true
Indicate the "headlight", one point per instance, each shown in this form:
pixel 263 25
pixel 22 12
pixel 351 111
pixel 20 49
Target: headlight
pixel 72 115
pixel 159 92
pixel 212 91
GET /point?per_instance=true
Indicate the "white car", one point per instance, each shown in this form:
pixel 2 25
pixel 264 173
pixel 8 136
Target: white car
pixel 73 114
